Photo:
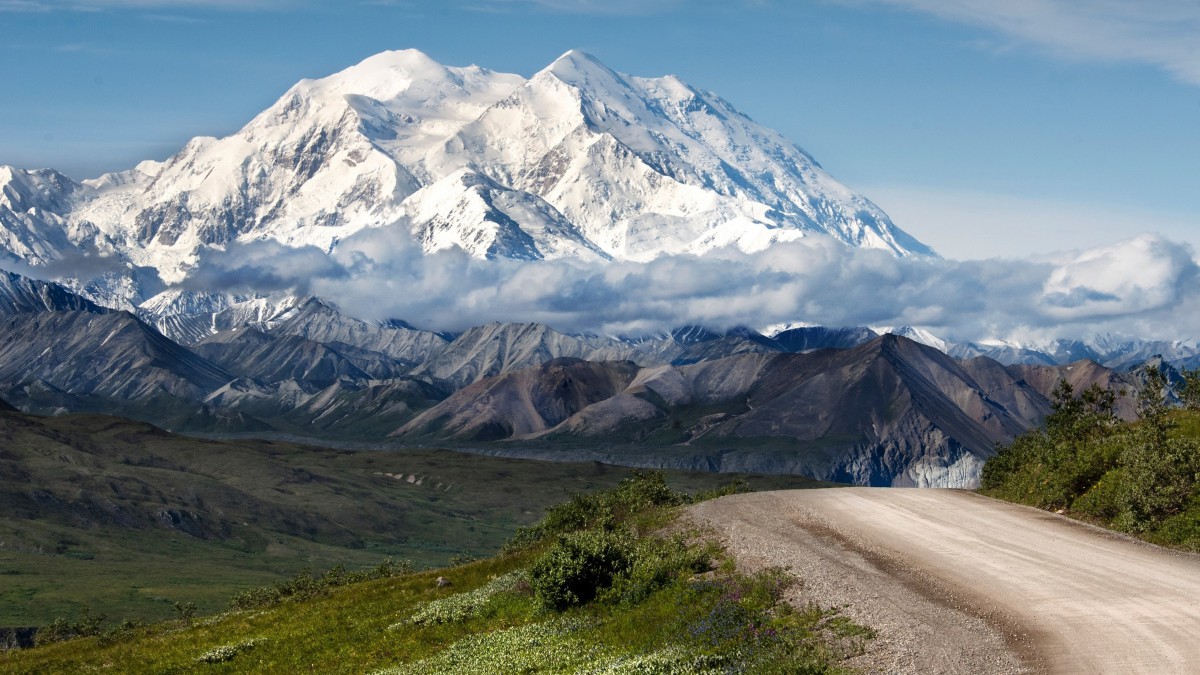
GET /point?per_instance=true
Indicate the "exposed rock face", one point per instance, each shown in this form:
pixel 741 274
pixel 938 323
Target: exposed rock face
pixel 498 348
pixel 1081 375
pixel 320 322
pixel 889 412
pixel 818 337
pixel 526 401
pixel 289 357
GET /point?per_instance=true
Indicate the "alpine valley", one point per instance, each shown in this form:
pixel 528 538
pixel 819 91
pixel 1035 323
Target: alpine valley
pixel 148 319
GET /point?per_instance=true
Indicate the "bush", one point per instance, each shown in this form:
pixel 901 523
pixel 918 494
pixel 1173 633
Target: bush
pixel 1140 476
pixel 734 487
pixel 1103 500
pixel 304 585
pixel 1189 391
pixel 62 629
pixel 1052 466
pixel 645 490
pixel 578 567
pixel 1160 481
pixel 641 492
pixel 121 632
pixel 655 563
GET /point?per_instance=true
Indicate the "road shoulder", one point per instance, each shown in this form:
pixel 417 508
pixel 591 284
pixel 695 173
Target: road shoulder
pixel 921 625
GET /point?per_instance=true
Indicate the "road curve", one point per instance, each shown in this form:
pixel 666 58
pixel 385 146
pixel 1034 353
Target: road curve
pixel 956 582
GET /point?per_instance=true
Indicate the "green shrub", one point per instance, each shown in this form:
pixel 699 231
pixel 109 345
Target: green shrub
pixel 1160 480
pixel 62 628
pixel 186 611
pixel 304 585
pixel 734 487
pixel 643 491
pixel 654 563
pixel 1189 393
pixel 122 632
pixel 1103 499
pixel 579 566
pixel 1136 477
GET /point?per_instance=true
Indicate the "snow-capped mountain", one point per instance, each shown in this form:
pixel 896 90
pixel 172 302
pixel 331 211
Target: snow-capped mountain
pixel 34 208
pixel 20 294
pixel 578 161
pixel 1120 353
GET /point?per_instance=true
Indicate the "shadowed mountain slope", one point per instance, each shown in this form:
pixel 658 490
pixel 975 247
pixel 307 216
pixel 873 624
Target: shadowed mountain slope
pixel 268 359
pixel 113 355
pixel 889 412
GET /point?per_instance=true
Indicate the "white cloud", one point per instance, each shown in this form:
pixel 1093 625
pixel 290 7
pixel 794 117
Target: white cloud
pixel 1128 278
pixel 1161 33
pixel 1145 286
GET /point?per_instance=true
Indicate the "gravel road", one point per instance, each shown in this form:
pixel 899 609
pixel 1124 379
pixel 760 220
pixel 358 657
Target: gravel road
pixel 954 582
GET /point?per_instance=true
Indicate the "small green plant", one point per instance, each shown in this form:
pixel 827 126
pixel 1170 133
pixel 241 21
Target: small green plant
pixel 462 606
pixel 654 563
pixel 228 652
pixel 642 493
pixel 304 585
pixel 62 628
pixel 579 566
pixel 546 646
pixel 122 632
pixel 1160 479
pixel 185 611
pixel 1189 391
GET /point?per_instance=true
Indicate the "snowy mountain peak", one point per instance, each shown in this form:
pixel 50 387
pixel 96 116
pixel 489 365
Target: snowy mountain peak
pixel 579 161
pixel 581 69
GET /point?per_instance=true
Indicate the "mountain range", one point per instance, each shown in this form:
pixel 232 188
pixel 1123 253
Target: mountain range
pixel 156 319
pixel 836 404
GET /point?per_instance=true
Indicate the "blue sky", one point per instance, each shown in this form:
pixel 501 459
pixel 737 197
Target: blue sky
pixel 985 128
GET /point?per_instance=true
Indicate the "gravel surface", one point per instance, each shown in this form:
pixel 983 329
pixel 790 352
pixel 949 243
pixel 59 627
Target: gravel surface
pixel 954 582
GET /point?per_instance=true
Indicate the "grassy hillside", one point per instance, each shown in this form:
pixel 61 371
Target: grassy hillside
pixel 592 589
pixel 1139 477
pixel 129 519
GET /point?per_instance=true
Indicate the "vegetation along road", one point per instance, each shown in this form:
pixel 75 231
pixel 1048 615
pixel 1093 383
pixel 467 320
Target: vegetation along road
pixel 957 582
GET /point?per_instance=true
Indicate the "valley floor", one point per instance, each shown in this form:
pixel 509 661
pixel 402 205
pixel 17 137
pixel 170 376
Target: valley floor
pixel 954 582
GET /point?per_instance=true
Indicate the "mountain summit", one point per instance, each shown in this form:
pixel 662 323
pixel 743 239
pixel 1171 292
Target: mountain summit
pixel 578 161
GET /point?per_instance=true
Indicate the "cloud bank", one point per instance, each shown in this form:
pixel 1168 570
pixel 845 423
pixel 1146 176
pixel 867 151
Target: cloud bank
pixel 1146 286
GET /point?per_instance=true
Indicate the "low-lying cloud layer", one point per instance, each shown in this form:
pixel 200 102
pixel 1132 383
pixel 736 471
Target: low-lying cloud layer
pixel 1146 286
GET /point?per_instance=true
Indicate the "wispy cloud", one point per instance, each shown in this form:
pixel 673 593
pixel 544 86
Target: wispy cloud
pixel 102 5
pixel 24 6
pixel 83 48
pixel 597 7
pixel 1161 33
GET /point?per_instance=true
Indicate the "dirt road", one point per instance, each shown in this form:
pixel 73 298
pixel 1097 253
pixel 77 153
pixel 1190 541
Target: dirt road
pixel 959 583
